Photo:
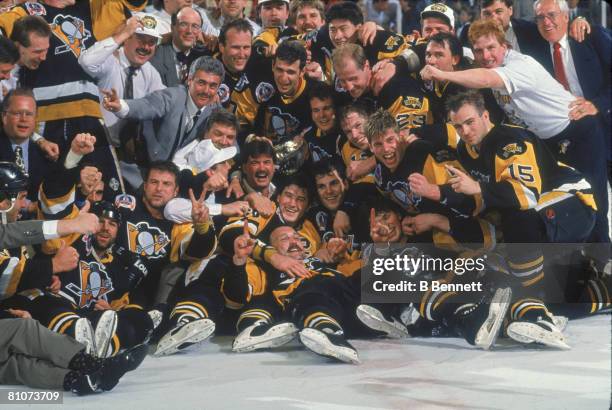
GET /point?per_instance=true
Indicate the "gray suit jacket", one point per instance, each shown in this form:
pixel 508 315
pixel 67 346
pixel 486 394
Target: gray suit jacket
pixel 15 234
pixel 164 62
pixel 161 112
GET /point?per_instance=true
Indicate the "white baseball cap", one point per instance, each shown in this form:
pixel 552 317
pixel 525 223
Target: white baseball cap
pixel 268 1
pixel 150 25
pixel 205 155
pixel 440 10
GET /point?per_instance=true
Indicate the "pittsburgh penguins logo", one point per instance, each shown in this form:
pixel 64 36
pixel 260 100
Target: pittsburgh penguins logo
pixel 94 284
pixel 224 93
pixel 147 241
pixel 71 32
pixel 403 194
pixel 283 125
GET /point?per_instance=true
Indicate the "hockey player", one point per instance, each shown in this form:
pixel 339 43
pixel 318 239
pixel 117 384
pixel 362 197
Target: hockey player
pixel 401 96
pixel 514 174
pixel 248 82
pixel 324 138
pixel 317 304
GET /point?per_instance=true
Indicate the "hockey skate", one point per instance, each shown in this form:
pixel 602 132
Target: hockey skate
pixel 110 371
pixel 376 320
pixel 329 345
pixel 480 323
pixel 542 331
pixel 84 334
pixel 262 335
pixel 184 335
pixel 105 329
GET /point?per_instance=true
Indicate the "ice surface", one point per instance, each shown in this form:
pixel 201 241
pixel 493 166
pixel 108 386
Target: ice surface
pixel 410 374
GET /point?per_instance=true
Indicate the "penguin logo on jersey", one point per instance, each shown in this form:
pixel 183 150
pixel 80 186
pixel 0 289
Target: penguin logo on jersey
pixel 393 42
pixel 283 124
pixel 264 92
pixel 147 241
pixel 404 195
pixel 94 284
pixel 224 93
pixel 71 32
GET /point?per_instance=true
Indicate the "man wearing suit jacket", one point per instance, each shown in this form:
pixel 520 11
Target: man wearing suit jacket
pixel 18 122
pixel 522 35
pixel 582 68
pixel 173 59
pixel 175 116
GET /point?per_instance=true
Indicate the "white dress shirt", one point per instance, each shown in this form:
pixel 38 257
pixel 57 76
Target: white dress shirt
pixel 568 64
pixel 531 97
pixel 217 23
pixel 510 36
pixel 166 20
pixel 107 63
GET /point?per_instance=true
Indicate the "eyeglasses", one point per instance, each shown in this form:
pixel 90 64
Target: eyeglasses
pixel 552 16
pixel 183 25
pixel 21 114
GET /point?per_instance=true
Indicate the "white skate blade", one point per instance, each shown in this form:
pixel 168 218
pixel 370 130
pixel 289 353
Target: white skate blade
pixel 192 333
pixel 276 336
pixel 488 332
pixel 527 332
pixel 105 329
pixel 84 334
pixel 316 341
pixel 373 318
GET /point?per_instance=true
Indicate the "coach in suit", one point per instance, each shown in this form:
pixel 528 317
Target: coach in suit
pixel 582 68
pixel 173 59
pixel 18 122
pixel 175 116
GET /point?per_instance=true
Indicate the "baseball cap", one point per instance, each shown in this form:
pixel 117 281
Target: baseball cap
pixel 150 25
pixel 440 10
pixel 268 1
pixel 205 155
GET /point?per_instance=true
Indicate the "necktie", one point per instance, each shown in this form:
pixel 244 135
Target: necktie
pixel 559 67
pixel 183 62
pixel 128 87
pixel 19 159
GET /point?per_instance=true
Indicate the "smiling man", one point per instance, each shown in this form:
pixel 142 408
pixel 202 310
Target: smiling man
pixel 287 113
pixel 175 116
pixel 122 62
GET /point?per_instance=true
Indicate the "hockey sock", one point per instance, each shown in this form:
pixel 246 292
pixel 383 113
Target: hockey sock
pixel 529 309
pixel 252 316
pixel 323 322
pixel 64 323
pixel 187 311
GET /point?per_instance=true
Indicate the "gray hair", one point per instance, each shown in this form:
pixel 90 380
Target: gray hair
pixel 207 64
pixel 561 3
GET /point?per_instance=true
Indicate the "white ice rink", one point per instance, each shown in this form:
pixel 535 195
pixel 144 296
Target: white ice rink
pixel 410 374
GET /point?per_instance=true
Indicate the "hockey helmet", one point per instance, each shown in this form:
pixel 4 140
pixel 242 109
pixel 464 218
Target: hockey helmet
pixel 107 210
pixel 12 181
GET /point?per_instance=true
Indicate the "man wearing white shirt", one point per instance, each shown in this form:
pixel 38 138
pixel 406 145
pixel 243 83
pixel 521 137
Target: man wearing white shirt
pixel 126 69
pixel 532 98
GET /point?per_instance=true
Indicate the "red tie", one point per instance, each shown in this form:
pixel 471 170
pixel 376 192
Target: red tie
pixel 559 68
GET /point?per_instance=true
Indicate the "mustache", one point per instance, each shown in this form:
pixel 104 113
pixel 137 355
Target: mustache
pixel 293 248
pixel 261 174
pixel 144 51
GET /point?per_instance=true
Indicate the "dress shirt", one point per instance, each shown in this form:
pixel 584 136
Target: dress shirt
pixel 568 64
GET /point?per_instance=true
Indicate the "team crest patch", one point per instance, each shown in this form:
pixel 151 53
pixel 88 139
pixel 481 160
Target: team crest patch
pixel 392 43
pixel 412 102
pixel 514 148
pixel 264 92
pixel 35 9
pixel 439 7
pixel 283 124
pixel 95 283
pixel 125 201
pixel 224 93
pixel 147 241
pixel 114 184
pixel 71 32
pixel 149 22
